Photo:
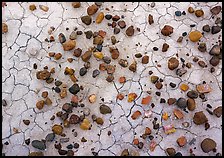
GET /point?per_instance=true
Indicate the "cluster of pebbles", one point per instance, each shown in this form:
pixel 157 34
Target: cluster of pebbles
pixel 117 22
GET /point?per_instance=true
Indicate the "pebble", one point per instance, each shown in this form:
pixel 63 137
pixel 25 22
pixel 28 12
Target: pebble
pixel 44 8
pixel 50 137
pixel 170 151
pixel 195 36
pixel 133 66
pixel 67 107
pixel 116 18
pixel 63 93
pixel 4 103
pixel 154 79
pixel 98 55
pixel 70 153
pixel 136 115
pixel 208 145
pixel 69 45
pixel 167 30
pixel 62 152
pixel 76 4
pixel 86 111
pixel 150 19
pixel 202 64
pixel 32 7
pixel 82 71
pixel 202 47
pixel 192 94
pixel 165 47
pixel 63 140
pixel 92 9
pixel 184 87
pixel 48 101
pixel 140 145
pixel 178 114
pixel 108 16
pixel 98 3
pixel 138 55
pixel 218 111
pixel 92 98
pixel 199 13
pixel 190 10
pixel 158 85
pixel 153 4
pixel 26 122
pixel 123 62
pixel 40 104
pixel 125 152
pixel 132 97
pixel 203 88
pixel 199 118
pixel 180 72
pixel 146 100
pixel 145 59
pixel 61 38
pixel 98 40
pixel 178 13
pixel 43 75
pixel 191 105
pixel 107 59
pixel 180 39
pixel 216 29
pixel 88 34
pixel 74 89
pixel 215 50
pixel 80 32
pixel 173 63
pixel 99 47
pixel 116 30
pixel 95 73
pixel 206 28
pixel 85 125
pixel 178 154
pixel 86 56
pixel 216 10
pixel 130 31
pixel 113 40
pixel 181 141
pixel 38 144
pixel 181 103
pixel 86 20
pixel 76 145
pixel 186 124
pixel 77 52
pixel 99 17
pixel 171 101
pixel 214 61
pixel 36 153
pixel 121 24
pixel 104 109
pixel 110 78
pixel 99 121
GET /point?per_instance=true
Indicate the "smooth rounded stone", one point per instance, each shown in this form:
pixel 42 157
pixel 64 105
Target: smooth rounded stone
pixel 145 59
pixel 86 56
pixel 50 137
pixel 218 111
pixel 67 107
pixel 130 31
pixel 86 19
pixel 154 79
pixel 26 122
pixel 4 103
pixel 99 121
pixel 58 83
pixel 98 40
pixel 110 69
pixel 57 129
pixel 125 152
pixel 138 55
pixel 150 19
pixel 116 30
pixel 206 28
pixel 123 62
pixel 180 72
pixel 133 66
pixel 215 50
pixel 82 71
pixel 99 17
pixel 74 119
pixel 104 109
pixel 181 103
pixel 61 38
pixel 116 18
pixel 88 34
pixel 113 40
pixel 202 64
pixel 36 153
pixel 180 39
pixel 77 52
pixel 92 9
pixel 178 154
pixel 202 47
pixel 121 24
pixel 216 10
pixel 216 29
pixel 190 10
pixel 191 105
pixel 165 47
pixel 98 3
pixel 214 61
pixel 108 16
pixel 178 13
pixel 76 4
pixel 63 140
pixel 170 151
pixel 195 36
pixel 69 45
pixel 95 73
pixel 199 13
pixel 186 124
pixel 44 8
pixel 99 47
pixel 158 85
pixel 208 145
pixel 167 30
pixel 39 144
pixel 74 89
pixel 192 94
pixel 110 78
pixel 199 118
pixel 114 53
pixel 107 59
pixel 173 63
pixel 86 111
pixel 62 152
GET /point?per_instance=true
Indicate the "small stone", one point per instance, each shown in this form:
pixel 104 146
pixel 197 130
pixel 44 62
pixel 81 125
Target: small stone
pixel 173 63
pixel 116 30
pixel 86 19
pixel 99 17
pixel 57 129
pixel 171 101
pixel 199 118
pixel 116 18
pixel 88 34
pixel 110 78
pixel 150 19
pixel 85 125
pixel 26 122
pixel 125 152
pixel 99 121
pixel 216 29
pixel 203 88
pixel 180 72
pixel 4 103
pixel 74 89
pixel 80 32
pixel 190 10
pixel 178 13
pixel 195 36
pixel 122 79
pixel 181 103
pixel 76 4
pixel 48 101
pixel 140 145
pixel 98 55
pixel 77 52
pixel 120 96
pixel 167 30
pixel 74 119
pixel 199 13
pixel 136 115
pixel 40 104
pixel 136 141
pixel 186 124
pixel 218 111
pixel 62 152
pixel 44 8
pixel 180 39
pixel 92 9
pixel 123 62
pixel 61 38
pixel 130 31
pixel 132 97
pixel 170 151
pixel 39 144
pixel 216 50
pixel 82 71
pixel 181 141
pixel 146 100
pixel 69 45
pixel 121 24
pixel 202 47
pixel 202 64
pixel 63 140
pixel 192 94
pixel 98 40
pixel 154 79
pixel 206 28
pixel 158 85
pixel 98 3
pixel 165 47
pixel 108 16
pixel 133 66
pixel 216 10
pixel 214 61
pixel 50 137
pixel 191 105
pixel 36 153
pixel 145 59
pixel 138 55
pixel 104 109
pixel 107 59
pixel 208 145
pixel 32 7
pixel 95 73
pixel 178 114
pixel 148 131
pixel 86 111
pixel 70 153
pixel 86 56
pixel 92 98
pixel 184 87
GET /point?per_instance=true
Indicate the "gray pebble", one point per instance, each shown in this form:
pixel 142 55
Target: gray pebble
pixel 4 103
pixel 180 72
pixel 153 4
pixel 64 140
pixel 38 144
pixel 107 59
pixel 86 111
pixel 82 71
pixel 50 137
pixel 95 73
pixel 181 103
pixel 73 35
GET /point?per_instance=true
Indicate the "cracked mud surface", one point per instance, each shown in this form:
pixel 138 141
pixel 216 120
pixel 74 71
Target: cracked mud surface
pixel 27 31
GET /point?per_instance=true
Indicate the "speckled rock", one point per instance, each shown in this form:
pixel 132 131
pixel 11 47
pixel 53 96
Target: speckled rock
pixel 173 63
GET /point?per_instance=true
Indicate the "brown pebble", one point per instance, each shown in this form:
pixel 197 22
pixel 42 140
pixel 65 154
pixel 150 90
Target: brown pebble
pixel 86 56
pixel 133 66
pixel 57 56
pixel 116 18
pixel 202 64
pixel 48 101
pixel 173 63
pixel 40 104
pixel 74 119
pixel 121 24
pixel 77 52
pixel 110 78
pixel 199 118
pixel 145 59
pixel 181 141
pixel 158 85
pixel 44 94
pixel 165 47
pixel 171 101
pixel 150 19
pixel 191 105
pixel 69 45
pixel 92 9
pixel 32 7
pixel 199 13
pixel 218 111
pixel 76 4
pixel 167 30
pixel 114 52
pixel 99 17
pixel 130 31
pixel 26 122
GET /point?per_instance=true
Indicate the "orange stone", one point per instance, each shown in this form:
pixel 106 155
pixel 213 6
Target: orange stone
pixel 102 33
pixel 178 113
pixel 136 115
pixel 184 87
pixel 203 88
pixel 120 96
pixel 181 141
pixel 132 97
pixel 165 116
pixel 146 100
pixel 148 131
pixel 122 79
pixel 136 141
